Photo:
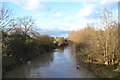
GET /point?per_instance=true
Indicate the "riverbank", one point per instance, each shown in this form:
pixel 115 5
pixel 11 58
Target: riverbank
pixel 98 49
pixel 100 70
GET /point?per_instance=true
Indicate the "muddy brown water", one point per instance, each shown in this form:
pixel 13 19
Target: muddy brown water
pixel 59 63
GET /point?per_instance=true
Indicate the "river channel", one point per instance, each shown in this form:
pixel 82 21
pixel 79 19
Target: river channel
pixel 60 63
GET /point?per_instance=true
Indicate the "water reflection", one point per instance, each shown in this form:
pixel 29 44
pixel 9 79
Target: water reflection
pixel 60 50
pixel 31 67
pixel 57 64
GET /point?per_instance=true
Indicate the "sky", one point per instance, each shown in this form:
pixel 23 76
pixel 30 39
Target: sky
pixel 57 18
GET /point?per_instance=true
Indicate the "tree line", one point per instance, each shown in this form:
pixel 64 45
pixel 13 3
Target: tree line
pixel 99 45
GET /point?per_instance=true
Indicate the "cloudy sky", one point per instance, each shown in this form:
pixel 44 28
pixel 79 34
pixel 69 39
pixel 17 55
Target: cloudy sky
pixel 59 17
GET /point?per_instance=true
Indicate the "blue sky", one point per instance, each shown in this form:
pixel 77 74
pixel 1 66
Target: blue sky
pixel 54 17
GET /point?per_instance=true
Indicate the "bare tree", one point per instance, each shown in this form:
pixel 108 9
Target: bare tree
pixel 26 24
pixel 107 22
pixel 5 16
pixel 102 44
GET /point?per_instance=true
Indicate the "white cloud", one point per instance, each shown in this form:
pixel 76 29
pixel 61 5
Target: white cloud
pixel 62 0
pixel 104 2
pixel 32 4
pixel 57 14
pixel 86 11
pixel 68 18
pixel 28 4
pixel 40 14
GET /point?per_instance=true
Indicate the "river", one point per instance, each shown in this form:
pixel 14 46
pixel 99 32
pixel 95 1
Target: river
pixel 60 63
